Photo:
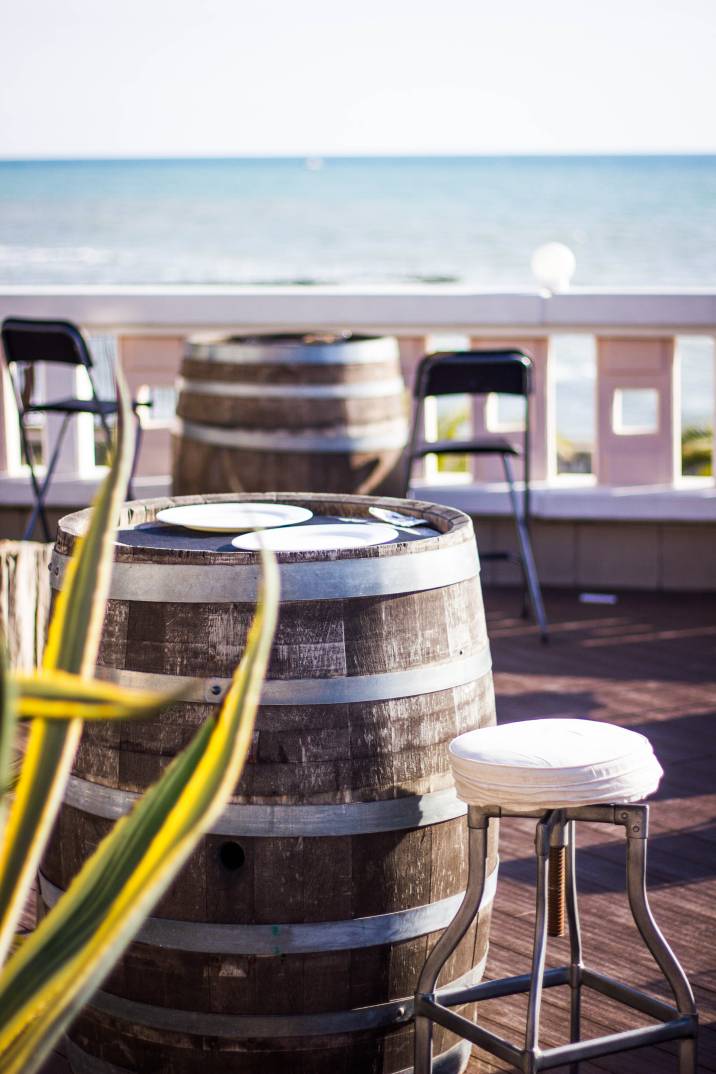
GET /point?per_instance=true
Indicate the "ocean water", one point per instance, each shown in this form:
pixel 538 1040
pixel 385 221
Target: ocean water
pixel 630 221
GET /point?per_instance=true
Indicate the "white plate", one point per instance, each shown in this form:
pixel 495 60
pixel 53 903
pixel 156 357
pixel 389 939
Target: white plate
pixel 319 538
pixel 233 517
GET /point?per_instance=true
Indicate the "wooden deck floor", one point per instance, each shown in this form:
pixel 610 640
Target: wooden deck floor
pixel 646 663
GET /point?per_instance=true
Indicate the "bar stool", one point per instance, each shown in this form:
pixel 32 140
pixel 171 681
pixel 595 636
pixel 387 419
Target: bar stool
pixel 559 771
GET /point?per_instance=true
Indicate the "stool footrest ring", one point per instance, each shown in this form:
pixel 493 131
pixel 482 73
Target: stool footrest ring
pixel 507 986
pixel 677 1029
pixel 463 1027
pixel 632 997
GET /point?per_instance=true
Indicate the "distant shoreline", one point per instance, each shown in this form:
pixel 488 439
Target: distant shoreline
pixel 357 157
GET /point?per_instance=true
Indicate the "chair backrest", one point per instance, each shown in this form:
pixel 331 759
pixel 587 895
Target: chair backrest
pixel 31 340
pixel 507 372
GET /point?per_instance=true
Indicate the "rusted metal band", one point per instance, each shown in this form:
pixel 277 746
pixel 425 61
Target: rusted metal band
pixel 289 821
pixel 378 436
pixel 364 389
pixel 338 579
pixel 336 690
pixel 452 1061
pixel 342 352
pixel 296 939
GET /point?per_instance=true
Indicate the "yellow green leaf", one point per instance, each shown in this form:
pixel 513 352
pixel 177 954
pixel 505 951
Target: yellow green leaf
pixel 53 694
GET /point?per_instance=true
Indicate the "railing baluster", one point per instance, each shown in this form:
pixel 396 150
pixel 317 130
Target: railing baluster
pixel 628 453
pixel 412 349
pixel 152 361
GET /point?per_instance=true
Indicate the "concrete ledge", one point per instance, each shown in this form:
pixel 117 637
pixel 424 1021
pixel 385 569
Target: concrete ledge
pixel 577 497
pixel 73 492
pixel 606 555
pixel 406 309
pixel 572 497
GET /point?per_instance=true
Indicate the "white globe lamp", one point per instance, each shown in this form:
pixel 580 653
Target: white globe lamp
pixel 553 266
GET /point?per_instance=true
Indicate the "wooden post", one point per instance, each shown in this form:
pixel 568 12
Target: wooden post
pixel 629 455
pixel 8 414
pixel 24 599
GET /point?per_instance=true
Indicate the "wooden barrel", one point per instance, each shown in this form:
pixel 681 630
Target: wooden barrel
pixel 256 414
pixel 293 938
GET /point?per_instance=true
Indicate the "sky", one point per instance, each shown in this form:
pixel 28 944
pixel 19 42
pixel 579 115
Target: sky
pixel 94 78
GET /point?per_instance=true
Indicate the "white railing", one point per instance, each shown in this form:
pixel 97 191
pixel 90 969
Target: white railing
pixel 636 468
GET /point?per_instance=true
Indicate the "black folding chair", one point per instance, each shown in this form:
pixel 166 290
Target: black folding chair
pixel 482 373
pixel 27 342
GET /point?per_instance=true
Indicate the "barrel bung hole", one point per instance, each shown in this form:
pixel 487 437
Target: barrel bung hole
pixel 231 856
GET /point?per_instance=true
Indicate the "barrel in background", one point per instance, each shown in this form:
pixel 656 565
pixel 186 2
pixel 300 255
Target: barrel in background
pixel 293 938
pixel 290 412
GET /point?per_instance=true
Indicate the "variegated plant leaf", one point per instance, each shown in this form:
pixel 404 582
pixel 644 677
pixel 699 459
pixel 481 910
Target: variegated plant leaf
pixel 58 695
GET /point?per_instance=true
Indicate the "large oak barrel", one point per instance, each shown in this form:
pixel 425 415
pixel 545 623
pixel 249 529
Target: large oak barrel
pixel 290 412
pixel 292 941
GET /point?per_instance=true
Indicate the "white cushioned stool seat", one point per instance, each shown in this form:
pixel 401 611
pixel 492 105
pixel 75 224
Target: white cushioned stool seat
pixel 551 764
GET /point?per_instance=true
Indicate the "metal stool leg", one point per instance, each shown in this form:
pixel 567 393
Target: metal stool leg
pixel 527 560
pixel 575 944
pixel 477 857
pixel 542 842
pixel 637 821
pixel 688 1055
pixel 39 507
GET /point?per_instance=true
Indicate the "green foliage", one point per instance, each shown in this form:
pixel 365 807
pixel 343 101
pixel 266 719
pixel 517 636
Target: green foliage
pixel 454 424
pixel 697 451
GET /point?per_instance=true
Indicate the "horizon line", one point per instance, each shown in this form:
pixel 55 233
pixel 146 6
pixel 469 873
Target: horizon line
pixel 176 157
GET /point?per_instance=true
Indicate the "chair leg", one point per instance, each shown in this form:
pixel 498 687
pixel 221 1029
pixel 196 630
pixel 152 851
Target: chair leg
pixel 477 857
pixel 688 1056
pixel 41 490
pixel 529 568
pixel 637 818
pixel 539 950
pixel 575 944
pixel 38 508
